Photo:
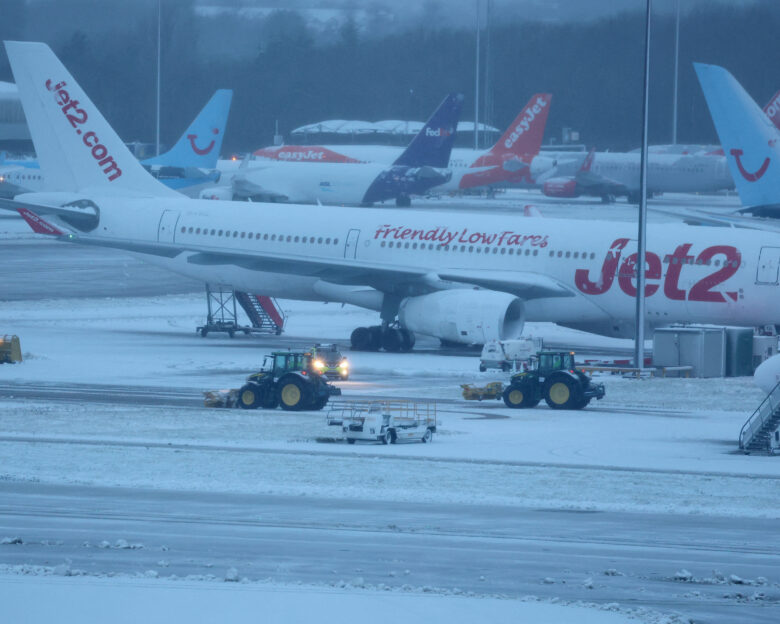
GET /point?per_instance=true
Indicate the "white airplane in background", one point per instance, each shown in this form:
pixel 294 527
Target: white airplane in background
pixel 458 277
pixel 514 159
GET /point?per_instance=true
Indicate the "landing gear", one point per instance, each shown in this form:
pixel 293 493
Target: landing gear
pixel 391 339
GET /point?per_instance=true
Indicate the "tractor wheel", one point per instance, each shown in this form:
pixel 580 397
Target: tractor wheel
pixel 320 403
pixel 249 396
pixel 583 403
pixel 518 396
pixel 361 339
pixel 293 394
pixel 562 392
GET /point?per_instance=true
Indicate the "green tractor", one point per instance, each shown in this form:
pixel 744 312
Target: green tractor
pixel 289 379
pixel 554 378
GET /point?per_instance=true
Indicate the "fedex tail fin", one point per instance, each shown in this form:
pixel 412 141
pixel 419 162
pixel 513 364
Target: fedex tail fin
pixel 772 109
pixel 201 143
pixel 76 146
pixel 749 139
pixel 433 144
pixel 524 136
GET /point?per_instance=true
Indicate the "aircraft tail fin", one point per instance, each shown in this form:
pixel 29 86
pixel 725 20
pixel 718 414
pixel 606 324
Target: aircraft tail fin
pixel 201 143
pixel 76 146
pixel 433 144
pixel 772 109
pixel 749 139
pixel 524 136
pixel 588 162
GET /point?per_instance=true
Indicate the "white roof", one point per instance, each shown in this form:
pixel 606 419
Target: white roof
pixel 387 126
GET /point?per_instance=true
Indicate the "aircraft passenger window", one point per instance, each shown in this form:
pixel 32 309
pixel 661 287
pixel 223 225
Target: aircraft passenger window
pixel 335 241
pixel 296 239
pixel 592 255
pixel 327 241
pixel 235 234
pixel 319 240
pixel 479 250
pixel 406 246
pixel 243 234
pixel 390 244
pixel 560 253
pixel 576 254
pixel 568 254
pixel 197 231
pixel 717 262
pixel 220 233
pixel 495 250
pixel 382 244
pixel 511 251
pixel 503 251
pixel 184 229
pixel 536 252
pixel 470 249
pixel 213 232
pixel 303 240
pixel 289 238
pixel 414 245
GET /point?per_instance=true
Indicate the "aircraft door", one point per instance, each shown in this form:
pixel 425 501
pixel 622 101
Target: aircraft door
pixel 350 247
pixel 167 228
pixel 768 265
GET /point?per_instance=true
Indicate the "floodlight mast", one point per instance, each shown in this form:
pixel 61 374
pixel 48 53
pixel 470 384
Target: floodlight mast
pixel 639 341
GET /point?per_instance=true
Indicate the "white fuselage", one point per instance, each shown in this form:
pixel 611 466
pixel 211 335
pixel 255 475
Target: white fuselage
pixel 699 274
pixel 666 173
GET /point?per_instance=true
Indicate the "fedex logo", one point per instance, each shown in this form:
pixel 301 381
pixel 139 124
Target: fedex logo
pixel 531 113
pixel 77 116
pixel 438 132
pixel 626 272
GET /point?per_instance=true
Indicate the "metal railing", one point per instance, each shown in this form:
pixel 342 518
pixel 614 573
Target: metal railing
pixel 759 418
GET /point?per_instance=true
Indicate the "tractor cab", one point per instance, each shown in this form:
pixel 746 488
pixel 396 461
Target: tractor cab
pixel 281 362
pixel 550 361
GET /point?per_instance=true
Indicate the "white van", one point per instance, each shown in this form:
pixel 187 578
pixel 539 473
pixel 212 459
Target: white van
pixel 508 354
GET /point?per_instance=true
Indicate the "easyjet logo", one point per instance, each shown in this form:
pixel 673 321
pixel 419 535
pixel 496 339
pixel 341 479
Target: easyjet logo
pixel 77 117
pixel 302 155
pixel 202 151
pixel 750 177
pixel 531 113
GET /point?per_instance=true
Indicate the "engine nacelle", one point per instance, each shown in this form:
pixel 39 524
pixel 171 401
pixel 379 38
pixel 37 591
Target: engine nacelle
pixel 560 187
pixel 217 192
pixel 465 316
pixel 768 374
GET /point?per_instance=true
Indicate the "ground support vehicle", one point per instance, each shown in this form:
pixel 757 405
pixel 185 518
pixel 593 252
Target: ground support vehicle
pixel 509 354
pixel 554 378
pixel 10 349
pixel 387 422
pixel 329 361
pixel 289 379
pixel 493 390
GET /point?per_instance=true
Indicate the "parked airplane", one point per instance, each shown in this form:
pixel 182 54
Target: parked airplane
pixel 514 159
pixel 458 277
pixel 611 174
pixel 420 166
pixel 188 167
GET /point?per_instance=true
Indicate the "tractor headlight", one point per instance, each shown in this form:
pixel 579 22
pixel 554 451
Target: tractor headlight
pixel 319 364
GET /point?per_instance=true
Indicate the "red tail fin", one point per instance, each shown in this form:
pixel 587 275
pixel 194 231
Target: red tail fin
pixel 772 109
pixel 586 164
pixel 38 225
pixel 524 135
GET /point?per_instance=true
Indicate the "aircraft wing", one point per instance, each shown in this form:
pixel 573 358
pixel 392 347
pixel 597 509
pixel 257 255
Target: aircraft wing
pixel 243 186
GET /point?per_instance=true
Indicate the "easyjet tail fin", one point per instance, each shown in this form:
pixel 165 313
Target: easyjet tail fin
pixel 201 143
pixel 524 136
pixel 750 141
pixel 76 146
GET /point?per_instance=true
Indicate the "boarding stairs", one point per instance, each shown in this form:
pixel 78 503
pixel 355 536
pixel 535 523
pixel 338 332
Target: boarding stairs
pixel 264 313
pixel 761 432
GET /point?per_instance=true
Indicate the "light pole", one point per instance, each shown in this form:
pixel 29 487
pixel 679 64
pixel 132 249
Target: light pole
pixel 639 344
pixel 676 65
pixel 476 88
pixel 159 51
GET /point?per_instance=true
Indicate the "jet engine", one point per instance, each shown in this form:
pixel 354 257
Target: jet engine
pixel 465 316
pixel 560 187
